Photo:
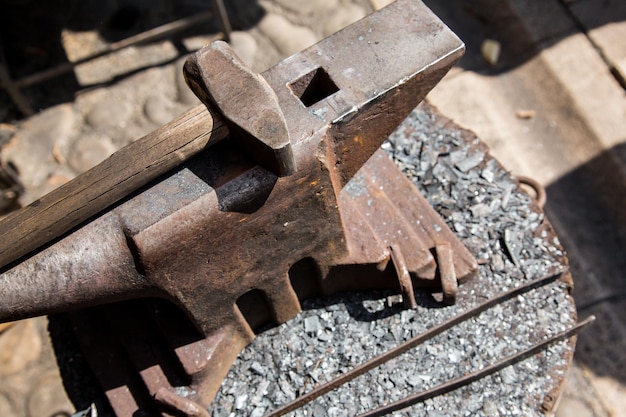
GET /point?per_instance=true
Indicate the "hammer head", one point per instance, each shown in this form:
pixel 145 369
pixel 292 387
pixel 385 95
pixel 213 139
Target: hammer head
pixel 222 81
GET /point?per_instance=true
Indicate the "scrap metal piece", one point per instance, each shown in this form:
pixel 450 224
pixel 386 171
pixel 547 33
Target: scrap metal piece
pixel 399 215
pixel 404 278
pixel 181 404
pixel 445 261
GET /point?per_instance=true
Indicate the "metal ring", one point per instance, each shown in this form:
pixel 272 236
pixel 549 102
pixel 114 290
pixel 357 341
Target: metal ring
pixel 540 191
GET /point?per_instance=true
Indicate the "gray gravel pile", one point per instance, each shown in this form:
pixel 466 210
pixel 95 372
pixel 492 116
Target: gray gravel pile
pixel 481 202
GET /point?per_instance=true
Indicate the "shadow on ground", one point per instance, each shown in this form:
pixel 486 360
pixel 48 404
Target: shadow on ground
pixel 30 31
pixel 476 20
pixel 31 34
pixel 586 207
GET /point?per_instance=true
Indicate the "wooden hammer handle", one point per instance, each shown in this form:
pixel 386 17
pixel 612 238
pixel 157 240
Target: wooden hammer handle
pixel 97 189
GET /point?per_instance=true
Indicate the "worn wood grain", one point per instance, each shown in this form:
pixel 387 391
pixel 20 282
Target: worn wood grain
pixel 122 173
pixel 5 326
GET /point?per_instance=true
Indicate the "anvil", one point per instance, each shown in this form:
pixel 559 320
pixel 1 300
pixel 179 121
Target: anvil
pixel 274 192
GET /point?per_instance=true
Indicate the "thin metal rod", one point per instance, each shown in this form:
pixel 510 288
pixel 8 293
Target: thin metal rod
pixel 476 375
pixel 147 36
pixel 404 278
pixel 21 102
pixel 409 344
pixel 224 20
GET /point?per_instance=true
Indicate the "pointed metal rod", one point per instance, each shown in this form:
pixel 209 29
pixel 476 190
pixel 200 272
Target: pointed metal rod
pixel 409 344
pixel 476 375
pixel 150 35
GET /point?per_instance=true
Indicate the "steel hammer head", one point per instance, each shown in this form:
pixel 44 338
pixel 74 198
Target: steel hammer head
pixel 222 81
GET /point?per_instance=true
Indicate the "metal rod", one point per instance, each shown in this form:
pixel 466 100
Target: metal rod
pixel 147 36
pixel 224 20
pixel 404 278
pixel 476 375
pixel 409 344
pixel 21 102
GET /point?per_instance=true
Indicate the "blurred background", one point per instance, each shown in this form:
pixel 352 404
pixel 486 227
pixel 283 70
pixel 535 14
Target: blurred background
pixel 542 83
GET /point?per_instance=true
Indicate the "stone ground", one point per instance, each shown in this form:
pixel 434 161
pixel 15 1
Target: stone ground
pixel 551 105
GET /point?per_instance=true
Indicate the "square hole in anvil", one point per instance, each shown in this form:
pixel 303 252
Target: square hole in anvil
pixel 313 87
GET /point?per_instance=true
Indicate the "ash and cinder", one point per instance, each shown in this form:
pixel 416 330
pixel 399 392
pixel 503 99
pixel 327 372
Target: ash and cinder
pixel 512 240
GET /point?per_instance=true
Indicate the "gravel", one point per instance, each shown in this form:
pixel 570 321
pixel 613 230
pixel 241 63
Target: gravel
pixel 482 203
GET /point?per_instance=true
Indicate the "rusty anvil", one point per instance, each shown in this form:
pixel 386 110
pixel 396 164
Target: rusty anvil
pixel 275 192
